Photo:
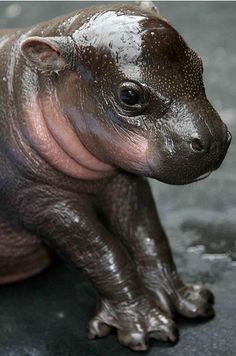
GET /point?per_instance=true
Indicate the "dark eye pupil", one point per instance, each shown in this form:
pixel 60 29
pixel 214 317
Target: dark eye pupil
pixel 129 96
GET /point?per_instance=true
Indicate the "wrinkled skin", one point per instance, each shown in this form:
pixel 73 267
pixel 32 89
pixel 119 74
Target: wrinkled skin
pixel 73 154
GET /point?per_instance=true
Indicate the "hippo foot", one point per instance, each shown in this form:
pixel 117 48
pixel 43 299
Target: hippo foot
pixel 135 323
pixel 192 300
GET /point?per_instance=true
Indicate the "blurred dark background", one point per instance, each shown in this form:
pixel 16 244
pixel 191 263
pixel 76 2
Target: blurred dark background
pixel 46 316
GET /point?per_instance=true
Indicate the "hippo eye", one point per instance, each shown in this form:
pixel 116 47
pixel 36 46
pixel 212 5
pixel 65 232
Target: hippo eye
pixel 131 96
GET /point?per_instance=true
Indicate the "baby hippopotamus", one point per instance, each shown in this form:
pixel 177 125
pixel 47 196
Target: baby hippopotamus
pixel 90 104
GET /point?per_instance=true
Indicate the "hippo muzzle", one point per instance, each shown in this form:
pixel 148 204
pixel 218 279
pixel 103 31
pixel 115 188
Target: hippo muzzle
pixel 192 143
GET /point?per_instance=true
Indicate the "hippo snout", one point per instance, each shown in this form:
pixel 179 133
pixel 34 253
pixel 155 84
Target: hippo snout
pixel 192 146
pixel 215 150
pixel 202 145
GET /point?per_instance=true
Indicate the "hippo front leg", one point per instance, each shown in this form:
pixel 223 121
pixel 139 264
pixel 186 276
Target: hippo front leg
pixel 69 223
pixel 130 211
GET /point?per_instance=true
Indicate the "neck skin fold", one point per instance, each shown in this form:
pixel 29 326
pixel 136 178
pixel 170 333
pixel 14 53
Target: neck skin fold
pixel 52 136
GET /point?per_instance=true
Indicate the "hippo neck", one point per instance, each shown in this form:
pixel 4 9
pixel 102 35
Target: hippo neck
pixel 50 133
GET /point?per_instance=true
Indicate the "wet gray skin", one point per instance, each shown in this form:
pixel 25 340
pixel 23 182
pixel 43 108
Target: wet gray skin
pixel 90 102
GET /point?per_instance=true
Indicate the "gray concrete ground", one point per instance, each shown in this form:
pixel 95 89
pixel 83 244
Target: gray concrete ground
pixel 46 316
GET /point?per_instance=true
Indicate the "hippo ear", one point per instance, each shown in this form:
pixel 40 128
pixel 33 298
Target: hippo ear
pixel 148 5
pixel 49 53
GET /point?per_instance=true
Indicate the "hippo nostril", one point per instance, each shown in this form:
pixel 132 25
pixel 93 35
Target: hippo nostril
pixel 196 145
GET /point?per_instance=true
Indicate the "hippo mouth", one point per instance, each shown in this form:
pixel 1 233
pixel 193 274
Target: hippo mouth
pixel 174 177
pixel 181 172
pixel 183 181
pixel 203 176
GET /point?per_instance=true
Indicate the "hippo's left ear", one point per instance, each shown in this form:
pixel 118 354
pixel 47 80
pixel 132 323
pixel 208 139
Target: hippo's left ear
pixel 49 53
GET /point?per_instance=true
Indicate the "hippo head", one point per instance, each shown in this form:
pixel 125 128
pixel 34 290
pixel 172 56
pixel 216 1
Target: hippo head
pixel 133 92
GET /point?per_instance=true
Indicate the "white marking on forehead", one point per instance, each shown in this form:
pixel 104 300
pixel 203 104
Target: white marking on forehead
pixel 117 32
pixel 108 24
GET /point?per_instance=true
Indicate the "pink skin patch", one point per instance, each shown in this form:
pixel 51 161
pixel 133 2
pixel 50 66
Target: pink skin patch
pixel 53 137
pixel 131 151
